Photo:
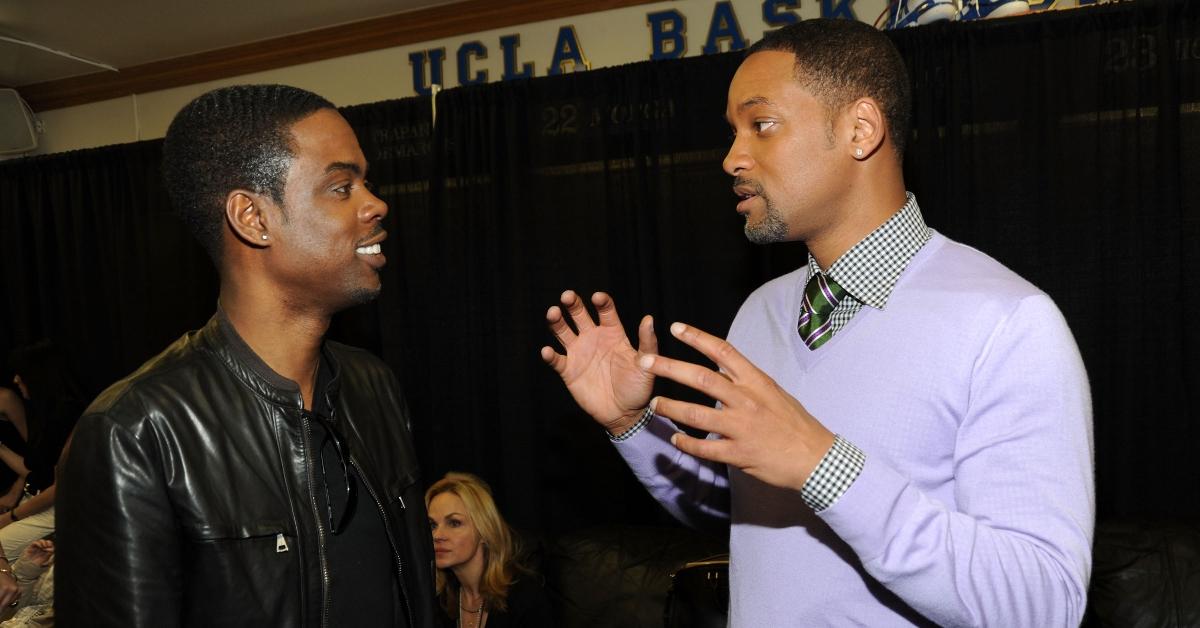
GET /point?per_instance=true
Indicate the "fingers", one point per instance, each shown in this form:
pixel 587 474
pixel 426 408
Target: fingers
pixel 716 349
pixel 705 380
pixel 606 309
pixel 577 310
pixel 9 592
pixel 716 450
pixel 558 326
pixel 705 418
pixel 647 339
pixel 557 361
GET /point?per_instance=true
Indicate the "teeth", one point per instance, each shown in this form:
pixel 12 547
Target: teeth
pixel 374 249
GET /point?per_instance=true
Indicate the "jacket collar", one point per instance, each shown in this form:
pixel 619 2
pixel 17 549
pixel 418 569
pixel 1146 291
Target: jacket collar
pixel 220 337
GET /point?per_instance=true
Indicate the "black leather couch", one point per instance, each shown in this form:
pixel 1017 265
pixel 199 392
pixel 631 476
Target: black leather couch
pixel 1144 574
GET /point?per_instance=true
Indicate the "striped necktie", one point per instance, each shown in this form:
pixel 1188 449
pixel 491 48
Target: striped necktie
pixel 821 296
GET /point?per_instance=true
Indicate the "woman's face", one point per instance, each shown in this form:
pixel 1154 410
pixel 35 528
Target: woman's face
pixel 456 541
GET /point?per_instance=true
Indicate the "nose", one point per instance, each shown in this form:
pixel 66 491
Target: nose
pixel 738 158
pixel 374 209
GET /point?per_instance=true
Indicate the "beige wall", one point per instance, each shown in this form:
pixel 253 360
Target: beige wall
pixel 606 39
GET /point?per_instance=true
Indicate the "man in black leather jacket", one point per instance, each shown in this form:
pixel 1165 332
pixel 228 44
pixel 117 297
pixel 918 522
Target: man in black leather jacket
pixel 253 474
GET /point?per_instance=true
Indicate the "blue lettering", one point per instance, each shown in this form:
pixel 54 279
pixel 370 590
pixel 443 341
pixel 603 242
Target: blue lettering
pixel 465 52
pixel 417 60
pixel 724 27
pixel 775 13
pixel 510 43
pixel 567 50
pixel 838 9
pixel 668 34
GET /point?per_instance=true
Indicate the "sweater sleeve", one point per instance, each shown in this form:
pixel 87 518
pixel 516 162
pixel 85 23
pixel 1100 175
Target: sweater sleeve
pixel 1016 549
pixel 694 491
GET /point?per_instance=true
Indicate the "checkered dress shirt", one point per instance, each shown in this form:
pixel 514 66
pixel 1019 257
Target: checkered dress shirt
pixel 868 272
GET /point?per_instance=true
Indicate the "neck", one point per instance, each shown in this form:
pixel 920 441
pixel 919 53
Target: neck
pixel 470 575
pixel 287 341
pixel 878 193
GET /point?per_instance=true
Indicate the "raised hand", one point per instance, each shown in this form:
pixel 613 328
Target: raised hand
pixel 600 367
pixel 765 431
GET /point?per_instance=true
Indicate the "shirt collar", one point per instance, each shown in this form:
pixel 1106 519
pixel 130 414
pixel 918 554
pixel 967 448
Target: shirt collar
pixel 870 269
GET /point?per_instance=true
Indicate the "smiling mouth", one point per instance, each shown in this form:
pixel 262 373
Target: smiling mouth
pixel 374 249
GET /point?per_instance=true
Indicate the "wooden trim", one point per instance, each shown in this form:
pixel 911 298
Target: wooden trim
pixel 430 24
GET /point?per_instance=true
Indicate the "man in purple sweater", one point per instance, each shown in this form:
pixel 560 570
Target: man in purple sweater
pixel 903 434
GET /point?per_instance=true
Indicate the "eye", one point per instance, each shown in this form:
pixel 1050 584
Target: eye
pixel 343 190
pixel 761 126
pixel 432 524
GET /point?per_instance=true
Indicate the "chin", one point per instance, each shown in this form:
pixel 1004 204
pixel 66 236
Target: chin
pixel 364 295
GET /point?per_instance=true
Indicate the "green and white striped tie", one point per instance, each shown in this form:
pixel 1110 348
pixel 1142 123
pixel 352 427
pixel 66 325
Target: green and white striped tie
pixel 821 296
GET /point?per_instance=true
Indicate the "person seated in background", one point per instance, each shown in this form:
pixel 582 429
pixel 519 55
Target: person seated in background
pixel 34 572
pixel 44 414
pixel 479 578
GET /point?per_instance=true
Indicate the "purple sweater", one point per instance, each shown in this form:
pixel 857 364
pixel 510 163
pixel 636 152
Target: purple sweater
pixel 976 504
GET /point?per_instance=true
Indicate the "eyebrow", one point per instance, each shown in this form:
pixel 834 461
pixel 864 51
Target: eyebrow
pixel 752 101
pixel 340 166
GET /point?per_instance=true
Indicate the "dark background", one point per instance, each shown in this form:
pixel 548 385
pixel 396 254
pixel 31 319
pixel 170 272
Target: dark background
pixel 1066 145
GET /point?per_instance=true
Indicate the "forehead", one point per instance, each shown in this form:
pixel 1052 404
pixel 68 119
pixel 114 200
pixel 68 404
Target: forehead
pixel 443 504
pixel 768 76
pixel 322 138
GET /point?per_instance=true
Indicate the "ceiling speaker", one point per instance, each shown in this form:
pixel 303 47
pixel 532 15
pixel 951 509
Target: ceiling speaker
pixel 18 132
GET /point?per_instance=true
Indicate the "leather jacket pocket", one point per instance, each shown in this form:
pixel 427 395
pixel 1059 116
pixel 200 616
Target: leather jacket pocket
pixel 402 492
pixel 248 570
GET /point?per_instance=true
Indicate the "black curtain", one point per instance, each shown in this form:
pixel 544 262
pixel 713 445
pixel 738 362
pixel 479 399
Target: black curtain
pixel 1063 144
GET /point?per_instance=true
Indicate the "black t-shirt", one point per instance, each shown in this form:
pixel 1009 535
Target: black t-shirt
pixel 362 574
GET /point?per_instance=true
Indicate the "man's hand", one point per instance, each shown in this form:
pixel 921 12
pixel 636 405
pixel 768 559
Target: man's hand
pixel 766 432
pixel 600 367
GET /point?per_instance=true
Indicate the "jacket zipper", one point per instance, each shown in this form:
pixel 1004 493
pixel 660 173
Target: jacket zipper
pixel 312 496
pixel 391 540
pixel 387 527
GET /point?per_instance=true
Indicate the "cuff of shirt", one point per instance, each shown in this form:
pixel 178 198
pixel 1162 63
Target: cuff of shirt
pixel 833 475
pixel 638 425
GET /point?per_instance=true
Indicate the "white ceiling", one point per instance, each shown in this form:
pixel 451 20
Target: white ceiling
pixel 124 33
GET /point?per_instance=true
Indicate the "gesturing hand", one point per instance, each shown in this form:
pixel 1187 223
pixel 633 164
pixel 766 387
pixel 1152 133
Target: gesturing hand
pixel 766 432
pixel 600 367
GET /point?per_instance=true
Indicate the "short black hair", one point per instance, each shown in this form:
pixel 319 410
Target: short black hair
pixel 841 60
pixel 230 138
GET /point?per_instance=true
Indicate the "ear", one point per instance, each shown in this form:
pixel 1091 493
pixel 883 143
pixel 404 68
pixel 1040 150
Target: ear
pixel 246 218
pixel 870 128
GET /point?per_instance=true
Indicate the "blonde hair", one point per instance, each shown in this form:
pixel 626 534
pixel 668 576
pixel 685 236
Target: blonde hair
pixel 499 543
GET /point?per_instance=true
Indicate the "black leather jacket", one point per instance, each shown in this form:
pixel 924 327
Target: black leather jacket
pixel 187 499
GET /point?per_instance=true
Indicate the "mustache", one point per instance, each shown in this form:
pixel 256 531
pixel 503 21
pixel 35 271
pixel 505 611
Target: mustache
pixel 739 182
pixel 370 236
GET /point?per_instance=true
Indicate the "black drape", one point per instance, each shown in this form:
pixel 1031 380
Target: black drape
pixel 1063 144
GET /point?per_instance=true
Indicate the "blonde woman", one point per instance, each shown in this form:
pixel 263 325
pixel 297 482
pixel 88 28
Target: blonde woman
pixel 479 582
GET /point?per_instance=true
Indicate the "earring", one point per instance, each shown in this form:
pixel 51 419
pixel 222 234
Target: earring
pixel 858 152
pixel 264 236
